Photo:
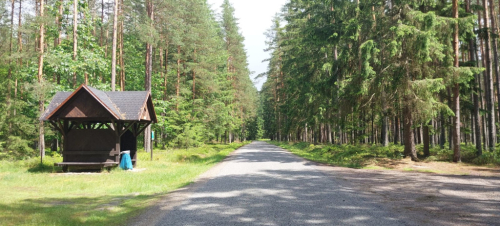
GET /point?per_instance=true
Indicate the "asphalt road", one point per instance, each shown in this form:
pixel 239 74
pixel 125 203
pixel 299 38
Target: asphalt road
pixel 261 184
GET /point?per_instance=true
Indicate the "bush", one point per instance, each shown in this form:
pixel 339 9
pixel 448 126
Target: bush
pixel 488 157
pixel 18 148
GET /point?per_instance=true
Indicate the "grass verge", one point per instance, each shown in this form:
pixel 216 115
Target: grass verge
pixel 39 194
pixel 373 156
pixel 352 156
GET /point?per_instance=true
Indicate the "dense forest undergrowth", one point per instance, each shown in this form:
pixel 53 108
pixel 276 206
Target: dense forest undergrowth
pixel 376 157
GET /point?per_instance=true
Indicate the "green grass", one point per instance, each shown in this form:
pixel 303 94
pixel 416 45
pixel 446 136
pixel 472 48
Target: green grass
pixel 467 153
pixel 35 194
pixel 359 156
pixel 353 156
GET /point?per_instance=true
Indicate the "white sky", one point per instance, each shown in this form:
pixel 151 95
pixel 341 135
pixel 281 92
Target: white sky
pixel 254 18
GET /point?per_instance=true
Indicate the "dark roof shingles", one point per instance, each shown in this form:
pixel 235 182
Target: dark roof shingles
pixel 130 103
pixel 57 100
pixel 104 98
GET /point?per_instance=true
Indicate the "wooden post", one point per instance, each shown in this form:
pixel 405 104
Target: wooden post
pixel 118 136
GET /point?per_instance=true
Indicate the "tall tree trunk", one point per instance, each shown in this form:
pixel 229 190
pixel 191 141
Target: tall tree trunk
pixel 477 118
pixel 418 138
pixel 330 140
pixel 489 82
pixel 305 133
pixel 59 32
pixel 106 49
pixel 113 51
pixel 476 84
pixel 122 63
pixel 456 91
pixel 396 129
pixel 165 93
pixel 149 71
pixel 385 137
pixel 442 138
pixel 161 62
pixel 20 35
pixel 101 38
pixel 9 73
pixel 57 21
pixel 194 78
pixel 434 137
pixel 177 87
pixel 75 35
pixel 450 118
pixel 494 48
pixel 426 139
pixel 20 50
pixel 482 98
pixel 408 133
pixel 321 134
pixel 41 140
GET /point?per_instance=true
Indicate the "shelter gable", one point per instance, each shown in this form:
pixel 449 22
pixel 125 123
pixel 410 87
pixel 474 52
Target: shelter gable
pixel 82 105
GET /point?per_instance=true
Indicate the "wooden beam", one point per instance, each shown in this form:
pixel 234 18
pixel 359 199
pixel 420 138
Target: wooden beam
pixel 126 128
pixel 134 129
pixel 58 126
pixel 143 128
pixel 85 163
pixel 117 146
pixel 110 153
pixel 62 125
pixel 112 125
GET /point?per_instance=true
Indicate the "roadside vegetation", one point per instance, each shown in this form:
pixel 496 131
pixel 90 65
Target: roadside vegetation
pixel 39 194
pixel 378 72
pixel 377 156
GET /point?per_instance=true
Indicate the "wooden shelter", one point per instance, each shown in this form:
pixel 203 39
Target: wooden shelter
pixel 96 125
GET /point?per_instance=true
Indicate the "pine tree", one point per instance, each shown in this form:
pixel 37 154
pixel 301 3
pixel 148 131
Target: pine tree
pixel 41 107
pixel 113 51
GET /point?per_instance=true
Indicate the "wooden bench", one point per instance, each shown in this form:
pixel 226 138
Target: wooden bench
pixel 66 165
pixel 110 153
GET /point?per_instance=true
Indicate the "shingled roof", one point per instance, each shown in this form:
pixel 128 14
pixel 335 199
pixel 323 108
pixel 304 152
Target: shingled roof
pixel 126 105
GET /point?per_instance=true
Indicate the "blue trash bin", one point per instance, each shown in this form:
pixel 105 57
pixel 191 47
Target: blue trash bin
pixel 126 161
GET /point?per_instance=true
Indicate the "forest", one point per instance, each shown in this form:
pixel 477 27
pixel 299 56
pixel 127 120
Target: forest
pixel 420 74
pixel 191 60
pixel 415 73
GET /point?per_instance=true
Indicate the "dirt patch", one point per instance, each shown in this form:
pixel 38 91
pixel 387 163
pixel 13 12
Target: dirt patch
pixel 111 205
pixel 434 167
pixel 461 195
pixel 58 203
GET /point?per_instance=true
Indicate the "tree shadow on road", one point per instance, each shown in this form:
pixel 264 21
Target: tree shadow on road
pixel 328 195
pixel 432 199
